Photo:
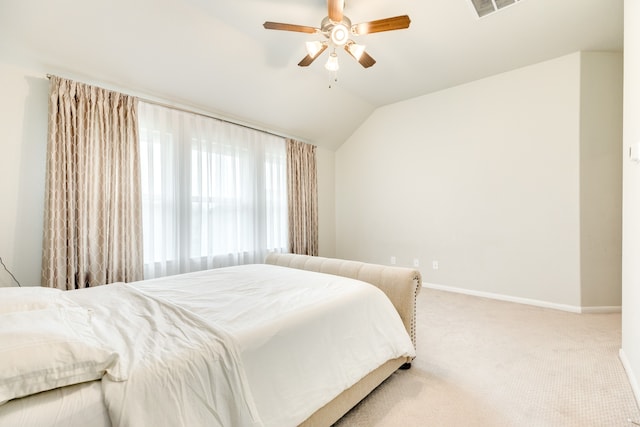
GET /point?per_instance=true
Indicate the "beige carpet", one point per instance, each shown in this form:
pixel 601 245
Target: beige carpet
pixel 482 362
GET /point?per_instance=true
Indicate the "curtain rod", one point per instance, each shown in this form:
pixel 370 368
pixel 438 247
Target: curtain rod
pixel 186 110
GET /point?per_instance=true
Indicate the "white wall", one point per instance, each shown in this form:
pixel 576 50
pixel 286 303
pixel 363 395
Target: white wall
pixel 483 178
pixel 23 143
pixel 630 353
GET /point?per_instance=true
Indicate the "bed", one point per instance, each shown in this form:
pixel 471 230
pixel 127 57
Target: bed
pixel 297 340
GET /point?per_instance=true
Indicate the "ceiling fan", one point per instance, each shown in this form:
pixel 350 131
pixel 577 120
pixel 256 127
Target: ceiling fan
pixel 337 28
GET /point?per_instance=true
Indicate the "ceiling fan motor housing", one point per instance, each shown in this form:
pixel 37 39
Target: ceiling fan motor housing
pixel 337 32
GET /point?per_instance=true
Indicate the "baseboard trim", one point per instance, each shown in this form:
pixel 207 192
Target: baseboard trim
pixel 632 378
pixel 602 309
pixel 527 301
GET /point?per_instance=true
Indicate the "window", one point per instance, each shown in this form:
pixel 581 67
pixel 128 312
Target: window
pixel 214 193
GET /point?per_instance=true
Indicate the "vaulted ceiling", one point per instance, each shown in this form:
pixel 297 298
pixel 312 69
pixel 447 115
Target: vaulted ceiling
pixel 215 56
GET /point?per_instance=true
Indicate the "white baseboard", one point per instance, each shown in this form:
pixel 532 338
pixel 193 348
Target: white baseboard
pixel 527 301
pixel 632 378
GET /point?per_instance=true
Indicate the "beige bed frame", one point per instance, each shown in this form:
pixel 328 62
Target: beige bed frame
pixel 401 285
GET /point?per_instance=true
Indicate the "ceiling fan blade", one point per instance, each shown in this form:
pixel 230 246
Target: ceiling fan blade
pixel 289 27
pixel 307 60
pixel 366 60
pixel 335 9
pixel 387 24
pixel 358 53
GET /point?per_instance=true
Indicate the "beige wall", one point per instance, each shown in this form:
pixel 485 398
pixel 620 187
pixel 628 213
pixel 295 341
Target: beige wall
pixel 483 178
pixel 630 353
pixel 326 202
pixel 23 138
pixel 601 179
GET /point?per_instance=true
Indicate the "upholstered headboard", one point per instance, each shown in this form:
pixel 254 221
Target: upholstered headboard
pixel 401 285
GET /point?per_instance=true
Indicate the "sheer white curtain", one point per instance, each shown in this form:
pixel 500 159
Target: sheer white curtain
pixel 214 194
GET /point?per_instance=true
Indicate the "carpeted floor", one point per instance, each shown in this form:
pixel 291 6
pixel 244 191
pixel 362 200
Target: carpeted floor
pixel 482 362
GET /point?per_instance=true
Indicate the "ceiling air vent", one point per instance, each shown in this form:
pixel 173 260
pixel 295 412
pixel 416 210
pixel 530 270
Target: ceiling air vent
pixel 486 7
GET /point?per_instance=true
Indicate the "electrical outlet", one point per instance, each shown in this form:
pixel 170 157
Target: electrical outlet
pixel 393 260
pixel 434 265
pixel 416 262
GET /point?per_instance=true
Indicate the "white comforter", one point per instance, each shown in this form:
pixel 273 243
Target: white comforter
pixel 180 370
pixel 241 346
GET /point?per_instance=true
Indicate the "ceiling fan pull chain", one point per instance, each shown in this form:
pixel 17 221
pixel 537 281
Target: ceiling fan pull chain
pixel 333 79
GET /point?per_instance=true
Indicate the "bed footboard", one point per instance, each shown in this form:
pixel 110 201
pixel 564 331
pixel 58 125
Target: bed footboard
pixel 400 284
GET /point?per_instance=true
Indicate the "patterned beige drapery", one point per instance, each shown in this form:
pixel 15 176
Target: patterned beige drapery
pixel 93 227
pixel 302 197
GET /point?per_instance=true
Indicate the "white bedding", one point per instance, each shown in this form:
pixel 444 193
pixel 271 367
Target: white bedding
pixel 297 339
pixel 181 370
pixel 304 337
pixel 79 405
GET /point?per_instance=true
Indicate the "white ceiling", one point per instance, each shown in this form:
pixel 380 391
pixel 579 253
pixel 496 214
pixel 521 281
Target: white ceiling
pixel 215 56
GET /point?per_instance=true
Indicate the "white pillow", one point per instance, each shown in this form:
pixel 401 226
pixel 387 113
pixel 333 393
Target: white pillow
pixel 44 349
pixel 28 298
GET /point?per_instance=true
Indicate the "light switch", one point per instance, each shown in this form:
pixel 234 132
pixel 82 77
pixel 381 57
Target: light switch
pixel 634 152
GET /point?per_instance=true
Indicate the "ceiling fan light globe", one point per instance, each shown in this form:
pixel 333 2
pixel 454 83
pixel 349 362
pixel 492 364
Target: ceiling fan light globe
pixel 356 50
pixel 332 63
pixel 314 48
